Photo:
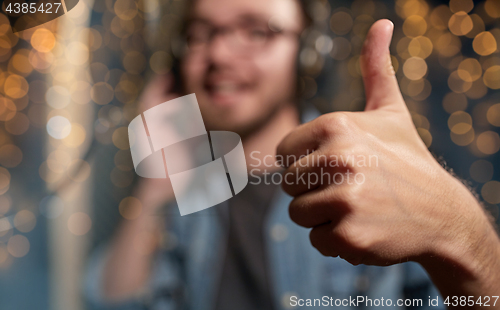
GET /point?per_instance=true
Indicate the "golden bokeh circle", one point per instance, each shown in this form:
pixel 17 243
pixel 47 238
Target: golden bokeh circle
pixel 8 109
pixel 415 68
pixel 76 137
pixel 491 77
pixel 460 23
pixel 420 47
pixel 484 43
pixel 461 5
pixel 463 139
pixel 470 70
pixel 491 192
pixel 15 86
pixel 43 40
pixel 481 171
pixel 488 142
pixel 448 45
pixel 493 115
pixel 492 8
pixel 440 16
pixel 120 138
pixel 477 91
pixel 102 93
pixel 130 208
pixel 10 156
pixel 125 9
pixel 341 23
pixel 19 63
pixel 24 221
pixel 414 26
pixel 458 85
pixel 18 246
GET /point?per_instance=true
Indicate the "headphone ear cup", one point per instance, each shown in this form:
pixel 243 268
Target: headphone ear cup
pixel 70 4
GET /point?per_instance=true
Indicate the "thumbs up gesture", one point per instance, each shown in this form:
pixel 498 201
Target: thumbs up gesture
pixel 381 197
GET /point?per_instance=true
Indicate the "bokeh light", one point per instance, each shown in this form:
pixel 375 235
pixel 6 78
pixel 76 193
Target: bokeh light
pixel 59 127
pixel 43 40
pixel 491 192
pixel 460 23
pixel 24 221
pixel 481 171
pixel 492 77
pixel 130 208
pixel 461 5
pixel 79 223
pixel 445 56
pixel 484 43
pixel 18 246
pixel 488 142
pixel 493 115
pixel 10 156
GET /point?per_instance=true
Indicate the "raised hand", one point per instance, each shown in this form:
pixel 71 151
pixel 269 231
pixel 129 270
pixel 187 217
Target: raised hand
pixel 155 193
pixel 382 198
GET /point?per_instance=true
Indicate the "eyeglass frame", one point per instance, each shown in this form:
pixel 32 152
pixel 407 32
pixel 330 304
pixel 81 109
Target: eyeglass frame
pixel 273 30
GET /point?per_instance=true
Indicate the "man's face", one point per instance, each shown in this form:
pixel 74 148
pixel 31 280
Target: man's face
pixel 241 60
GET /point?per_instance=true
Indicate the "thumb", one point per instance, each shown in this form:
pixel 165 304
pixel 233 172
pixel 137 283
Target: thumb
pixel 381 85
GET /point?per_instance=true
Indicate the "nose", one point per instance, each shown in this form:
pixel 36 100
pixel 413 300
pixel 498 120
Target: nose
pixel 219 50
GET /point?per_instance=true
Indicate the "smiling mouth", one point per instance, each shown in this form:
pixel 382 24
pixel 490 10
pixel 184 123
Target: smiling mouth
pixel 225 92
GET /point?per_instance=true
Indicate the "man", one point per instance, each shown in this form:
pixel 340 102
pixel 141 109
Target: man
pixel 246 253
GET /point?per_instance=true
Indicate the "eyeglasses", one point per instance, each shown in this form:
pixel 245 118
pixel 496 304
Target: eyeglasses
pixel 243 37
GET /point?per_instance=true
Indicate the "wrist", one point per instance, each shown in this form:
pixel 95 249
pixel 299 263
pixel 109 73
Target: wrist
pixel 465 256
pixel 153 197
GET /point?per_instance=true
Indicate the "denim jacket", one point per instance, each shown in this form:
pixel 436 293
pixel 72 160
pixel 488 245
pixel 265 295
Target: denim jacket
pixel 187 270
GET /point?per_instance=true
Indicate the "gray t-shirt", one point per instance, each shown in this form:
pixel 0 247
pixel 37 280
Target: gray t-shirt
pixel 246 283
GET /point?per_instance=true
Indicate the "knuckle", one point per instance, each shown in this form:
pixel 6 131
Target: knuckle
pixel 342 121
pixel 349 196
pixel 333 124
pixel 343 232
pixel 355 240
pixel 361 243
pixel 340 133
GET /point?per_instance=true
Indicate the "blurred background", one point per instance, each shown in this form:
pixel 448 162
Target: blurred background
pixel 71 85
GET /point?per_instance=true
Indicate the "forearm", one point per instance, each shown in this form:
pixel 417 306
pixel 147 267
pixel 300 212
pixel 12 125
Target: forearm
pixel 468 264
pixel 456 279
pixel 129 260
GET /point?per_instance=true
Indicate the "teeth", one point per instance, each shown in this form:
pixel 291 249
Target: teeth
pixel 225 87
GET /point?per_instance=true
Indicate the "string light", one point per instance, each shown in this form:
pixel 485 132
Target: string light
pixel 37 90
